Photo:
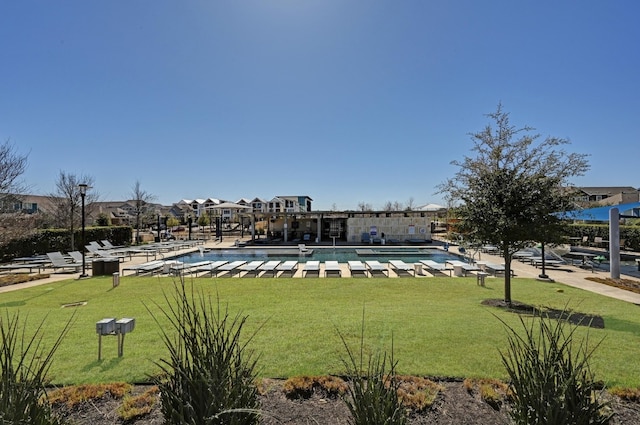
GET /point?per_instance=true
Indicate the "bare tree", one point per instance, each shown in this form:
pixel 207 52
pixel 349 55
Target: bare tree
pixel 67 201
pixel 410 204
pixel 141 201
pixel 363 206
pixel 14 223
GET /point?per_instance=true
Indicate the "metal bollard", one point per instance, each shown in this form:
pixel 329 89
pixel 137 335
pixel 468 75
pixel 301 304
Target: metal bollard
pixel 116 279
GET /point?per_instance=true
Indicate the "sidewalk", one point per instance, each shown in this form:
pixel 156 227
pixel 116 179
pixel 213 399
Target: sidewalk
pixel 571 276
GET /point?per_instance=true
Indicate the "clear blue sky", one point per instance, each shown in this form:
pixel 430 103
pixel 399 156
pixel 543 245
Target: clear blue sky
pixel 345 101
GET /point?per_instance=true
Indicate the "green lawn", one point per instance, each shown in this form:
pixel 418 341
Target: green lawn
pixel 438 325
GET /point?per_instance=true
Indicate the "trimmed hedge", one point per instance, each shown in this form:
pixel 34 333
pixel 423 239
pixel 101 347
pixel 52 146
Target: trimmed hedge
pixel 631 234
pixel 60 240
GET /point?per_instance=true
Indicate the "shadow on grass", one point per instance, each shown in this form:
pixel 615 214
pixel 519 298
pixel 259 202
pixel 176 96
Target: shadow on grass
pixel 576 318
pixel 103 364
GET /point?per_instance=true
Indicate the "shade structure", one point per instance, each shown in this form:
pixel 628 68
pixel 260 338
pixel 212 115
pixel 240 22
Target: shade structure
pixel 431 207
pixel 602 213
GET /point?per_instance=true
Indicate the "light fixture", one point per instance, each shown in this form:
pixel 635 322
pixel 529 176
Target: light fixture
pixel 83 192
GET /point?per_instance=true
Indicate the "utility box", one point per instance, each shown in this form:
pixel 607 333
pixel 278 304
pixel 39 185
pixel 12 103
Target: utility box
pixel 106 326
pixel 125 325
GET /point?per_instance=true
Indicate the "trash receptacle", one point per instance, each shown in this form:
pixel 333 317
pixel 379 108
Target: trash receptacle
pixel 105 266
pixel 417 269
pixel 97 267
pixel 111 266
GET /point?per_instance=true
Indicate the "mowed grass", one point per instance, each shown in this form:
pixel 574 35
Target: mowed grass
pixel 438 326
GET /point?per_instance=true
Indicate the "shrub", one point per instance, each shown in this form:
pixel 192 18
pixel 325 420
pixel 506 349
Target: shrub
pixel 417 393
pixel 492 391
pixel 209 376
pixel 134 407
pixel 73 395
pixel 24 364
pixel 550 375
pixel 304 386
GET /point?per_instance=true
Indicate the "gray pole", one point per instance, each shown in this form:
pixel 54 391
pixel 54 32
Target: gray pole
pixel 614 243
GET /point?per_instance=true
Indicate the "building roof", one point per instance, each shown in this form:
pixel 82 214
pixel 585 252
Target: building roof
pixel 607 190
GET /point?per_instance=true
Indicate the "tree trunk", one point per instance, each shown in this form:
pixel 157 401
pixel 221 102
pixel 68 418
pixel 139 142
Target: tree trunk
pixel 507 274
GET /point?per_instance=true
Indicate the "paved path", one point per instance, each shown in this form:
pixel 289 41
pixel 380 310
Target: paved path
pixel 568 275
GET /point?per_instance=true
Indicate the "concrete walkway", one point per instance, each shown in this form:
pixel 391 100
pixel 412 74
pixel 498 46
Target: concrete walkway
pixel 571 276
pixel 568 275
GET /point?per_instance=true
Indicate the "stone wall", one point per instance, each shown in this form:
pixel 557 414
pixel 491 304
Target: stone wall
pixel 395 227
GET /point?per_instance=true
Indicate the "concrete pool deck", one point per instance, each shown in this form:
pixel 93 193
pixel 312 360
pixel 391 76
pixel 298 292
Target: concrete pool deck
pixel 568 275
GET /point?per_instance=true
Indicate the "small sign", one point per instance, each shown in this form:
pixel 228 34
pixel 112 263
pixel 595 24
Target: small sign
pixel 412 229
pixel 373 231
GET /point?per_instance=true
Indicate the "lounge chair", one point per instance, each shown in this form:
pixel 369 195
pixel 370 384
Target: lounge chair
pixel 269 267
pixel 460 268
pixel 400 266
pixel 76 256
pixel 231 267
pixel 312 266
pixel 251 268
pixel 547 262
pixel 148 267
pixel 434 266
pixel 490 249
pixel 59 262
pixel 106 244
pixel 26 265
pixel 101 253
pixel 496 269
pixel 375 266
pixel 522 255
pixel 182 268
pixel 96 245
pixel 357 267
pixel 332 268
pixel 289 266
pixel 302 248
pixel 211 267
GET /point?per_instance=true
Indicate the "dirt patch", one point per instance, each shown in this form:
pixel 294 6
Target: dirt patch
pixel 626 284
pixel 454 405
pixel 576 318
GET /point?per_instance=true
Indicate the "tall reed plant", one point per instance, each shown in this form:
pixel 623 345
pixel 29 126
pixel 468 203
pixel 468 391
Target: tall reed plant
pixel 550 376
pixel 24 364
pixel 209 376
pixel 372 394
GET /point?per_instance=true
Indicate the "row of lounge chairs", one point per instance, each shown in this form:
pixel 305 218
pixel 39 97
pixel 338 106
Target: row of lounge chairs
pixel 274 268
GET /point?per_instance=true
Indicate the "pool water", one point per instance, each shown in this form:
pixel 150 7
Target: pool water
pixel 342 255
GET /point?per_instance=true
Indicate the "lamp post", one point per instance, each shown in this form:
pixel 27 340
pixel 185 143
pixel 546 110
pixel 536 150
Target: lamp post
pixel 83 192
pixel 543 275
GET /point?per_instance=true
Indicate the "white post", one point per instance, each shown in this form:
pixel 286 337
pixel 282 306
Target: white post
pixel 614 243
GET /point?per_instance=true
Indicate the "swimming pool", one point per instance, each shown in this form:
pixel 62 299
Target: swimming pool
pixel 342 255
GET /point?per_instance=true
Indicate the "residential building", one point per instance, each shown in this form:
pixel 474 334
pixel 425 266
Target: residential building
pixel 606 195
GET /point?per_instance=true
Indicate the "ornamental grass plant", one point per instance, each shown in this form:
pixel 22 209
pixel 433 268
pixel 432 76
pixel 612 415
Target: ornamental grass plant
pixel 24 363
pixel 372 393
pixel 551 379
pixel 209 376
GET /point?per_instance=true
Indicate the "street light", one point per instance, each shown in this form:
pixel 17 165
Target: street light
pixel 543 275
pixel 83 192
